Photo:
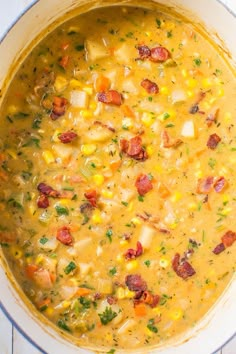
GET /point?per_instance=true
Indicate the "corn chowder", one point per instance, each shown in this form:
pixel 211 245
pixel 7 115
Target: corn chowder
pixel 118 188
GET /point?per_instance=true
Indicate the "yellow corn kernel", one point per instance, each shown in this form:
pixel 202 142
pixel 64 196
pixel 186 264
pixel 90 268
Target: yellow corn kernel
pixel 86 113
pixel 39 259
pixel 120 293
pixel 60 83
pixel 96 217
pixel 164 262
pixel 147 119
pixel 192 206
pixel 184 73
pixel 150 150
pixel 130 206
pixel 136 221
pixel 120 258
pixel 63 201
pixel 198 174
pixel 206 82
pixel 148 332
pixel 93 106
pixel 16 252
pixel 225 198
pixel 226 211
pixel 190 93
pixel 31 208
pixel 191 83
pixel 206 105
pixel 29 260
pixel 108 337
pixel 223 171
pixel 176 314
pixel 124 243
pixel 158 168
pixel 12 109
pixel 227 117
pixel 164 90
pixel 98 179
pixel 176 196
pixel 173 226
pixel 75 83
pixel 88 89
pixel 220 92
pixel 127 123
pixel 88 149
pixel 131 265
pixel 65 304
pixel 148 33
pixel 212 100
pixel 48 156
pixel 49 311
pixel 129 294
pixel 12 154
pixel 107 194
pixel 157 311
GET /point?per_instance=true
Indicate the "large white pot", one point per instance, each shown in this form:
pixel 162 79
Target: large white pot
pixel 219 325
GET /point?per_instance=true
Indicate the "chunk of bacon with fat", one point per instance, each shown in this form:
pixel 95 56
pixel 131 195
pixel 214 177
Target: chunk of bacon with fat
pixel 133 148
pixel 227 240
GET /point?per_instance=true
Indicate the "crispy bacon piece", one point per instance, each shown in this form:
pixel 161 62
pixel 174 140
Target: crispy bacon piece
pixel 58 107
pixel 168 142
pixel 204 185
pixel 43 201
pixel 150 86
pixel 228 238
pixel 135 283
pixel 86 210
pixel 212 116
pixel 219 248
pixel 195 107
pixel 150 299
pixel 134 148
pixel 220 184
pixel 143 184
pixel 144 52
pixel 91 195
pixel 47 190
pixel 159 54
pixel 110 97
pixel 111 300
pixel 63 62
pixel 64 236
pixel 97 122
pixel 181 267
pixel 67 137
pixel 213 141
pixel 132 253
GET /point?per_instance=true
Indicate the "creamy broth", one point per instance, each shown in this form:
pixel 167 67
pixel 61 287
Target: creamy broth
pixel 118 148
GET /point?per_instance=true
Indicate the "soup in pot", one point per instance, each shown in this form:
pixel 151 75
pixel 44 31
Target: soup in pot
pixel 118 182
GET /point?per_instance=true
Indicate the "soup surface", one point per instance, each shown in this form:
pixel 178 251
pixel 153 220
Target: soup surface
pixel 118 182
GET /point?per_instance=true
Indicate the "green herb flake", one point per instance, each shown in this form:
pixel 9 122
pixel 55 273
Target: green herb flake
pixel 141 198
pixel 26 175
pixel 112 271
pixel 37 121
pixel 107 315
pixel 164 299
pixel 61 210
pixel 125 203
pixel 151 326
pixel 61 324
pixel 109 234
pixel 112 351
pixel 158 22
pixel 79 47
pixel 212 162
pixel 86 303
pixel 169 34
pixel 166 116
pixel 147 263
pixel 129 35
pixel 70 267
pixel 197 61
pixel 170 125
pixel 43 240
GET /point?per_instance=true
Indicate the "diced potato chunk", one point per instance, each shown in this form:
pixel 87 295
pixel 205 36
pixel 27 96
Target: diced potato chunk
pixel 188 129
pixel 79 99
pixel 123 54
pixel 146 236
pixel 95 50
pixel 105 286
pixel 99 134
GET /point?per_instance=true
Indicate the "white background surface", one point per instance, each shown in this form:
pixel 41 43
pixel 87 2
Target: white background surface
pixel 11 341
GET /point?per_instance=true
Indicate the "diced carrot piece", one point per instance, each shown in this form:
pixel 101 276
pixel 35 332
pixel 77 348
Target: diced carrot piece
pixel 30 269
pixel 65 45
pixel 64 61
pixel 114 165
pixel 83 291
pixel 43 303
pixel 163 190
pixel 53 277
pixel 3 176
pixel 127 111
pixel 140 309
pixel 102 83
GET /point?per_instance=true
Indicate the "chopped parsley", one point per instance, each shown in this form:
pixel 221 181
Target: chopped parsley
pixel 61 210
pixel 43 240
pixel 147 263
pixel 79 47
pixel 107 315
pixel 141 198
pixel 109 234
pixel 70 267
pixel 151 326
pixel 158 22
pixel 112 271
pixel 125 203
pixel 197 61
pixel 212 162
pixel 61 324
